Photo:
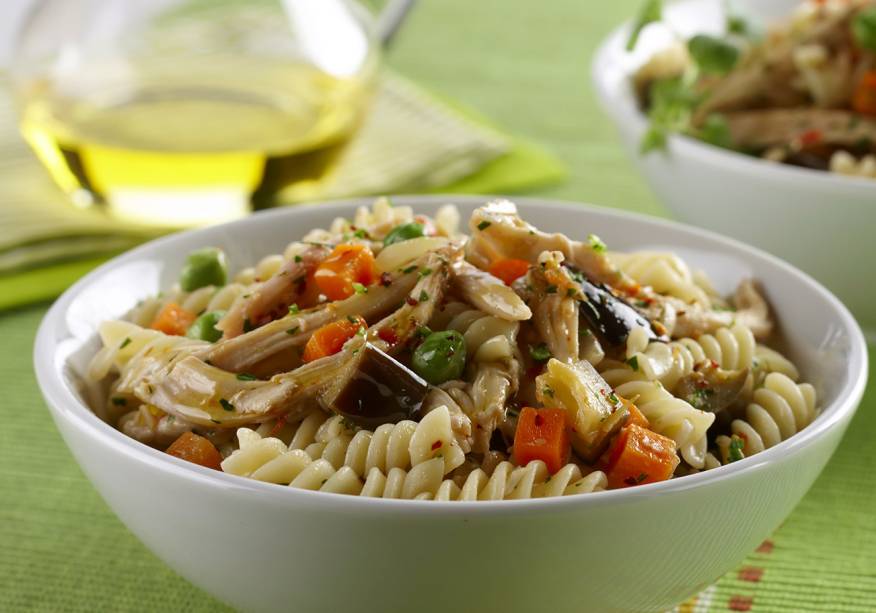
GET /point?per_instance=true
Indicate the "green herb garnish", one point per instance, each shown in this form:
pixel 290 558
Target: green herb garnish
pixel 125 343
pixel 424 296
pixel 244 376
pixel 734 452
pixel 484 225
pixel 712 55
pixel 120 402
pixel 293 330
pixel 540 353
pixel 596 243
pixel 226 405
pixel 634 362
pixel 293 309
pixel 359 288
pixel 864 28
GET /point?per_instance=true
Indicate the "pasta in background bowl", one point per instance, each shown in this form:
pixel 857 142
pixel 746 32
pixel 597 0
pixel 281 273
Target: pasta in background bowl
pixel 221 531
pixel 783 209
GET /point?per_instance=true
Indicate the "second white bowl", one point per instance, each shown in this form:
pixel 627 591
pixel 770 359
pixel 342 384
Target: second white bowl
pixel 821 222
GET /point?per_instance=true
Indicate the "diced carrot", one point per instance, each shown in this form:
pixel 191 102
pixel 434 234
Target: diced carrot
pixel 345 266
pixel 542 434
pixel 636 416
pixel 640 456
pixel 195 449
pixel 509 270
pixel 329 339
pixel 864 98
pixel 173 320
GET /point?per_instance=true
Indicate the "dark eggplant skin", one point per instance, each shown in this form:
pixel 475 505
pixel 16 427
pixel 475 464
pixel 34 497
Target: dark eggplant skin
pixel 376 389
pixel 610 316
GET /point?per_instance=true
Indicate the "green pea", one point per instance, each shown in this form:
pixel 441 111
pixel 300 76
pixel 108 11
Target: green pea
pixel 203 267
pixel 441 357
pixel 713 55
pixel 204 327
pixel 864 28
pixel 404 232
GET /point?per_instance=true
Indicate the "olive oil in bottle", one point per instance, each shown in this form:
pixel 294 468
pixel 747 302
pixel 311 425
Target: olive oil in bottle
pixel 201 149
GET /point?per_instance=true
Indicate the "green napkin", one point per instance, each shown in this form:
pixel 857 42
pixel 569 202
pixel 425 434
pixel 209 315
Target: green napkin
pixel 411 142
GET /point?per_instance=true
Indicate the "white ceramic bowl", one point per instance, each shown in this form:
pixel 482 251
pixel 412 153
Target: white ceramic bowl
pixel 263 547
pixel 822 222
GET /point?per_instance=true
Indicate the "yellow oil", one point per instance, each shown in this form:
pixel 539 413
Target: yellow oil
pixel 173 151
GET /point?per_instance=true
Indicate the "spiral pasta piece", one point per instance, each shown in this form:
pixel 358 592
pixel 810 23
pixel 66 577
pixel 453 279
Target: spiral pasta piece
pixel 731 348
pixel 778 410
pixel 665 272
pixel 509 482
pixel 672 417
pixel 323 437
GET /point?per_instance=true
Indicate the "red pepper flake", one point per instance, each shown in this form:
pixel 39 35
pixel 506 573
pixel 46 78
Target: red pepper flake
pixel 278 426
pixel 412 301
pixel 436 445
pixel 388 335
pixel 385 279
pixel 811 137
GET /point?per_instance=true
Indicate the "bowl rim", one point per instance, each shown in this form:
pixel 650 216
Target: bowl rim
pixel 619 104
pixel 64 405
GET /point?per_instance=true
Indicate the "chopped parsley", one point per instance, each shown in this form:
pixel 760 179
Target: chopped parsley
pixel 299 259
pixel 125 343
pixel 215 421
pixel 293 309
pixel 119 401
pixel 634 362
pixel 411 268
pixel 551 289
pixel 540 353
pixel 359 288
pixel 547 391
pixel 596 243
pixel 244 376
pixel 864 28
pixel 247 325
pixel 570 292
pixel 713 55
pixel 424 296
pixel 484 225
pixel 612 397
pixel 734 452
pixel 425 272
pixel 226 405
pixel 360 331
pixel 699 398
pixel 293 330
pixel 360 233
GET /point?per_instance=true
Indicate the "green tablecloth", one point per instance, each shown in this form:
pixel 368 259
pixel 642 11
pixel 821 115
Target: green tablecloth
pixel 525 65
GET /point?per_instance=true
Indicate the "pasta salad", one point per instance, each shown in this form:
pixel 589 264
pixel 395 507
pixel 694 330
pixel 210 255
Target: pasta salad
pixel 802 92
pixel 392 355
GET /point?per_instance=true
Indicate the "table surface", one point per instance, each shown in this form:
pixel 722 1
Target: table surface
pixel 526 66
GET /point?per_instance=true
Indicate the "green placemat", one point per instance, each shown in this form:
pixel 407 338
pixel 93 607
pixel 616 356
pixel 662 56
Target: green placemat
pixel 527 68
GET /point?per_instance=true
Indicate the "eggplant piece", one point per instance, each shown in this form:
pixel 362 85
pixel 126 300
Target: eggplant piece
pixel 376 389
pixel 712 389
pixel 609 315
